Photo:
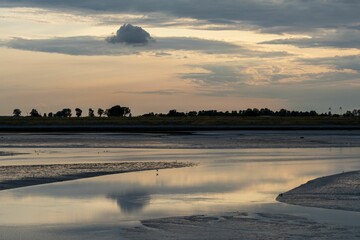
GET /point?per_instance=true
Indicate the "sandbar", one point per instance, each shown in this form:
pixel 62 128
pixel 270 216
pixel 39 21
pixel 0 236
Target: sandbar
pixel 339 191
pixel 22 176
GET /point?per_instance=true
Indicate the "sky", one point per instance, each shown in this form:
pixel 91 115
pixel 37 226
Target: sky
pixel 157 55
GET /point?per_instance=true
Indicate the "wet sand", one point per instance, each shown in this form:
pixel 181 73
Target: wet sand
pixel 340 191
pixel 3 154
pixel 239 226
pixel 22 176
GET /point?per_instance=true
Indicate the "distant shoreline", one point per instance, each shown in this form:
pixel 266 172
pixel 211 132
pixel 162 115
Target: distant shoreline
pixel 167 128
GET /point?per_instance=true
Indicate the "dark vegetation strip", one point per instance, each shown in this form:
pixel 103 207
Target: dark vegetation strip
pixel 168 124
pixel 22 176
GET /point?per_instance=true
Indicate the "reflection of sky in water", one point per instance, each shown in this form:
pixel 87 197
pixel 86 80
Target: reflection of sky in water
pixel 225 180
pixel 131 202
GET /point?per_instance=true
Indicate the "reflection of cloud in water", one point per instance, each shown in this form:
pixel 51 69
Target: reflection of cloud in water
pixel 131 202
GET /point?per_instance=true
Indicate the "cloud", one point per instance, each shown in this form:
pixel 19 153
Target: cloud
pixel 351 63
pixel 340 38
pixel 154 92
pixel 130 34
pixel 217 74
pixel 93 46
pixel 232 76
pixel 298 90
pixel 277 16
pixel 235 75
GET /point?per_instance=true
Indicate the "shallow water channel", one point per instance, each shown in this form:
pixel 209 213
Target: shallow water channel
pixel 226 180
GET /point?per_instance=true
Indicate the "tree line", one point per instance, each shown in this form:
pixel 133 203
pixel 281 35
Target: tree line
pixel 253 112
pixel 118 111
pixel 115 111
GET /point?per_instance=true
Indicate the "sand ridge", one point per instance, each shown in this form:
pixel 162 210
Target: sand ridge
pixel 340 191
pixel 22 176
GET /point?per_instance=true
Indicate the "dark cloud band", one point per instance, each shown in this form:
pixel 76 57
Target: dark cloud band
pixel 267 15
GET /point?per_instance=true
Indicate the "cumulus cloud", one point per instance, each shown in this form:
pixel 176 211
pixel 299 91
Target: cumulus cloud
pixel 130 34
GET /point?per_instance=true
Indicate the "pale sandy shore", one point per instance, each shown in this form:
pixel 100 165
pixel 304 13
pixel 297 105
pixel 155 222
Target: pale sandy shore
pixel 340 191
pixel 22 176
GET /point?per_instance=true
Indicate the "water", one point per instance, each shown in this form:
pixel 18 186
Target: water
pixel 225 180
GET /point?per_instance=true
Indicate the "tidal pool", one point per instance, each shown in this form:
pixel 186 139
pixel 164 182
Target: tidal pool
pixel 246 180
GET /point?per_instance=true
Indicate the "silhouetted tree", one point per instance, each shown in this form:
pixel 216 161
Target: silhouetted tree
pixel 349 114
pixel 59 114
pixel 34 113
pixel 127 111
pixel 50 114
pixel 78 112
pixel 118 111
pixel 66 112
pixel 100 112
pixel 283 113
pixel 356 112
pixel 251 112
pixel 17 112
pixel 313 113
pixel 192 114
pixel 91 112
pixel 174 113
pixel 151 114
pixel 266 112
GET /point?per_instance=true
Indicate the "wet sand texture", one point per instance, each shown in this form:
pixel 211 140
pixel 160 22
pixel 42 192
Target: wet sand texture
pixel 239 226
pixel 340 191
pixel 21 176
